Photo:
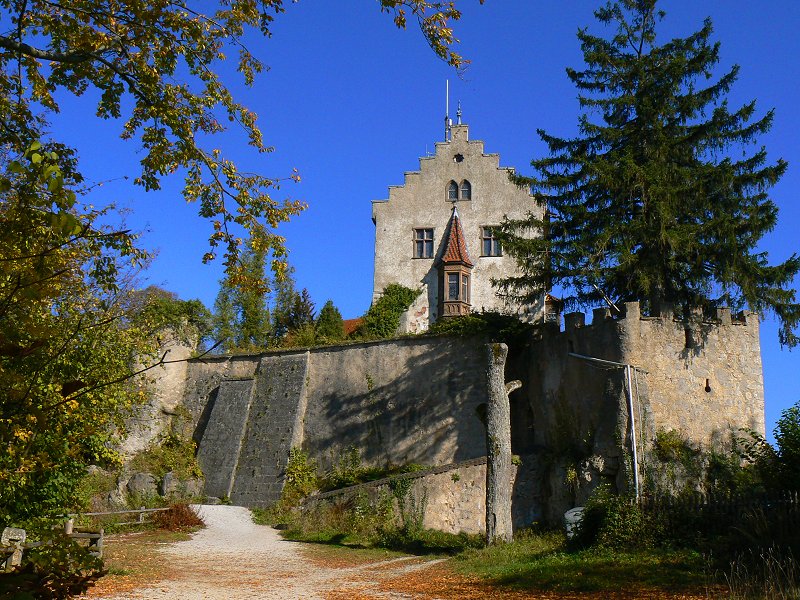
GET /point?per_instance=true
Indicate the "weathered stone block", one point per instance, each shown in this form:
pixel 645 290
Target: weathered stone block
pixel 142 484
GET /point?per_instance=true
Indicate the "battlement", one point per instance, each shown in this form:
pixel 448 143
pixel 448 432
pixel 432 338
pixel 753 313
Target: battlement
pixel 722 317
pixel 700 375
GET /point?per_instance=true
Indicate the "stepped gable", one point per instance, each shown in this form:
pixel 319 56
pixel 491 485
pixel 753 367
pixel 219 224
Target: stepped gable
pixel 456 248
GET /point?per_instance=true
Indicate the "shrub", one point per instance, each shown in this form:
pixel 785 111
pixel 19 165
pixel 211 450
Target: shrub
pixel 60 568
pixel 174 454
pixel 787 438
pixel 93 490
pixel 179 517
pixel 383 317
pixel 614 521
pixel 346 471
pixel 496 326
pixel 301 474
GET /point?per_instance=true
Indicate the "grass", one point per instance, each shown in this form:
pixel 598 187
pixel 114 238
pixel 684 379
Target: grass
pixel 343 555
pixel 419 543
pixel 133 560
pixel 539 561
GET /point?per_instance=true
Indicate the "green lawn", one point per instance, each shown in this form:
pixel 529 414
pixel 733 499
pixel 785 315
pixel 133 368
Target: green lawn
pixel 541 562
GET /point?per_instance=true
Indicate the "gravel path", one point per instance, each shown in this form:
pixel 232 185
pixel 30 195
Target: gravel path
pixel 234 559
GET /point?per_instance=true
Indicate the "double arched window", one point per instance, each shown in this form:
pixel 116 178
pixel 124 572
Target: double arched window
pixel 456 192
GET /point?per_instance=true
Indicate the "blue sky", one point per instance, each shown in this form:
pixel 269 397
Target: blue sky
pixel 352 103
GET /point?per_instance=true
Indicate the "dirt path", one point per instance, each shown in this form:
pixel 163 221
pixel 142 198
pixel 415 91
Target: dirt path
pixel 234 559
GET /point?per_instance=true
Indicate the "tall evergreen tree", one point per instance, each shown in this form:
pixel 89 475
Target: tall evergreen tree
pixel 649 202
pixel 241 313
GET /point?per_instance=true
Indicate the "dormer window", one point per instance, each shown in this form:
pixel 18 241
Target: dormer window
pixel 466 190
pixel 452 191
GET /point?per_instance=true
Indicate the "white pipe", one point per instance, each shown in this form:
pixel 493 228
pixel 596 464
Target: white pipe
pixel 628 368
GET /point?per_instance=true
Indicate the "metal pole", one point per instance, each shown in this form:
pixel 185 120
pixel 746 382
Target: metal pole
pixel 628 369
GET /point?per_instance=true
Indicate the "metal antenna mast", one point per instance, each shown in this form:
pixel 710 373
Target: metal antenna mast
pixel 447 122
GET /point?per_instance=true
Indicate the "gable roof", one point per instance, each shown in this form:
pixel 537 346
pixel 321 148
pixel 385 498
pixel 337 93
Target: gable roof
pixel 456 249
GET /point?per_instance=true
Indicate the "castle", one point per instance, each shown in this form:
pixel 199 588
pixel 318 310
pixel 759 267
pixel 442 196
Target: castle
pixel 435 232
pixel 593 397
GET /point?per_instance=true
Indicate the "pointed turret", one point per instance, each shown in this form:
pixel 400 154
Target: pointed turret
pixel 456 267
pixel 456 250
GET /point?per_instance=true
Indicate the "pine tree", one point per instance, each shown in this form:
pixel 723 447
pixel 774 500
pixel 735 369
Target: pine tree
pixel 658 198
pixel 330 325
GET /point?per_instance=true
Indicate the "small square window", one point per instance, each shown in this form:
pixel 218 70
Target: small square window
pixel 490 245
pixel 423 243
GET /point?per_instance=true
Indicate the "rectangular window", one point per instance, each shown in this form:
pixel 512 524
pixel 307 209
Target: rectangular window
pixel 490 244
pixel 423 243
pixel 452 286
pixel 465 288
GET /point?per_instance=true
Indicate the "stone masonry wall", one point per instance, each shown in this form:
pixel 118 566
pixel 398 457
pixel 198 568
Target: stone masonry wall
pixel 706 383
pixel 451 498
pixel 279 390
pixel 397 402
pixel 707 389
pixel 222 440
pixel 416 400
pixel 401 401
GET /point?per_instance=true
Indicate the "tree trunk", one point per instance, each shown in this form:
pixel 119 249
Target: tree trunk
pixel 499 467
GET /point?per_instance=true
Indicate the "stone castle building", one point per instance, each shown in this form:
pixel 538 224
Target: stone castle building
pixel 594 394
pixel 435 232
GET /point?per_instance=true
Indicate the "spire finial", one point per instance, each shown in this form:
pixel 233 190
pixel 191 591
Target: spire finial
pixel 458 113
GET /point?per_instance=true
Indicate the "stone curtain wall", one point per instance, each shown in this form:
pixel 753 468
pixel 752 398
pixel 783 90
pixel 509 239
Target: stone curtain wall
pixel 724 352
pixel 278 395
pixel 398 402
pixel 577 412
pixel 415 400
pixel 401 401
pixel 222 439
pixel 452 498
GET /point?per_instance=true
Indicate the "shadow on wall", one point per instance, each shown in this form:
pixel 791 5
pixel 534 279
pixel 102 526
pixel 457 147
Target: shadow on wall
pixel 205 416
pixel 409 401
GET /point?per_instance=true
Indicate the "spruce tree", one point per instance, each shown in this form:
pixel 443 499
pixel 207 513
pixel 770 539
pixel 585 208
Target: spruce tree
pixel 285 298
pixel 662 196
pixel 330 325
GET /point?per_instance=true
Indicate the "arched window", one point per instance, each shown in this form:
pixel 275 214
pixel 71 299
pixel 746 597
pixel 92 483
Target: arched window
pixel 466 190
pixel 452 191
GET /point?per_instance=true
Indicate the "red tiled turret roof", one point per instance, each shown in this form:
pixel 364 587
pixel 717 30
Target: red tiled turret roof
pixel 456 249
